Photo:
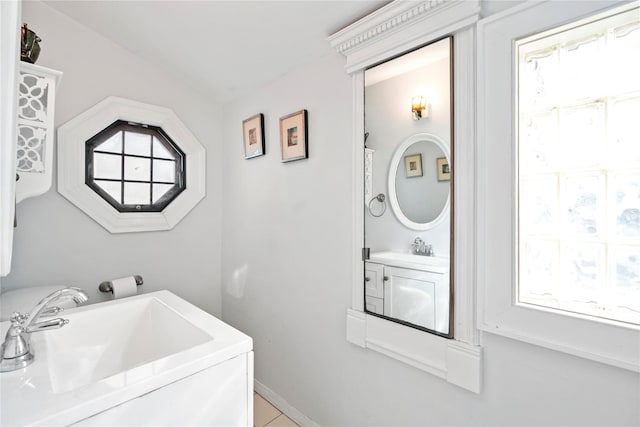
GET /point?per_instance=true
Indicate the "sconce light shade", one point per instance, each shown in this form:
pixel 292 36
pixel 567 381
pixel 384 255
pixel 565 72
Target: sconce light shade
pixel 418 107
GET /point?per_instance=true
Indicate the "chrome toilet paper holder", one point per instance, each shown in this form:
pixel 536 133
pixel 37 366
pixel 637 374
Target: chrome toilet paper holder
pixel 107 286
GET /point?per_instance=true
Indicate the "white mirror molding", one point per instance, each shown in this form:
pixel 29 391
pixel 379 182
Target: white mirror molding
pixel 10 15
pixel 394 29
pixel 391 182
pixel 72 137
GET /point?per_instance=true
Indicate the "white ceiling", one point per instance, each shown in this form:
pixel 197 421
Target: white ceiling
pixel 225 48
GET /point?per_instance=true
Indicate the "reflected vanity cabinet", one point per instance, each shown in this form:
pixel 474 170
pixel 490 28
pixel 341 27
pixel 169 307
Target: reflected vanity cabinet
pixel 36 107
pixel 419 297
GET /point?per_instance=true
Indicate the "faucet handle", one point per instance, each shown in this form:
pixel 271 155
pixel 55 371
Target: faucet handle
pixel 18 318
pixel 51 311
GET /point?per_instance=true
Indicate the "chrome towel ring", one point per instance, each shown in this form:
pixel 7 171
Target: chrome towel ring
pixel 382 200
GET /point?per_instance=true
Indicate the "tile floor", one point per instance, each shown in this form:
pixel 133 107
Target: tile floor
pixel 265 414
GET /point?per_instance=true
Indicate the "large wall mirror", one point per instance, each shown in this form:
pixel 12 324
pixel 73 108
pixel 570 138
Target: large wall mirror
pixel 409 181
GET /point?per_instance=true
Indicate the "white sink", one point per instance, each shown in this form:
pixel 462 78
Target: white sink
pixel 113 352
pixel 416 262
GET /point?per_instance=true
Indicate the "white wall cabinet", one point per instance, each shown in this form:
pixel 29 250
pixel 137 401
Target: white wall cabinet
pixel 36 111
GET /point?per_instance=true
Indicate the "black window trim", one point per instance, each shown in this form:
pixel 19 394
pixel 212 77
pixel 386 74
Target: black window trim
pixel 122 126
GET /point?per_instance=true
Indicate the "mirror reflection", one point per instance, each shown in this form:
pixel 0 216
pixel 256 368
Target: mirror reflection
pixel 408 122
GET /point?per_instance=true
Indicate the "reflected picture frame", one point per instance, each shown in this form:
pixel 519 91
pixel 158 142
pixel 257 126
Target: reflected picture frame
pixel 444 171
pixel 294 136
pixel 253 136
pixel 413 165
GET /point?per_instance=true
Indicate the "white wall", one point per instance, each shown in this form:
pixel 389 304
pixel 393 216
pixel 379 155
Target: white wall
pixel 286 282
pixel 55 242
pixel 389 122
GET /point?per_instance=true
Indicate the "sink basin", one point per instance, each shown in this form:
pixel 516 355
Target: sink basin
pixel 416 262
pixel 100 343
pixel 111 353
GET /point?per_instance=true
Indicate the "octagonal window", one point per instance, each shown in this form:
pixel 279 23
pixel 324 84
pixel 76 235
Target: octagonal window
pixel 135 167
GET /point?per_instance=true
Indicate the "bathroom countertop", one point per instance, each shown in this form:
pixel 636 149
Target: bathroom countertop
pixel 33 396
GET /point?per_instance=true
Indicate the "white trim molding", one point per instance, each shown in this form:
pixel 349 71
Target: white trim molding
pixel 399 27
pixel 604 342
pixel 72 137
pixel 283 406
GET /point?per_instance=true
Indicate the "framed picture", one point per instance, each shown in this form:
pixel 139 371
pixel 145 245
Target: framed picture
pixel 253 133
pixel 444 172
pixel 413 165
pixel 294 136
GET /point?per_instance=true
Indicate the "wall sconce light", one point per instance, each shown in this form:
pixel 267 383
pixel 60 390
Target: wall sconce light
pixel 419 107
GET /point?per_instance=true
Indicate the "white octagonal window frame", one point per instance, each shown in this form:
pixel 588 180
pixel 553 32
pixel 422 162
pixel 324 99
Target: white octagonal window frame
pixel 72 137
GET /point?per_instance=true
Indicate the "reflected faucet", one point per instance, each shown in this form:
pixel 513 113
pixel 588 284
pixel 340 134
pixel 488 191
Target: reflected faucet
pixel 421 248
pixel 16 350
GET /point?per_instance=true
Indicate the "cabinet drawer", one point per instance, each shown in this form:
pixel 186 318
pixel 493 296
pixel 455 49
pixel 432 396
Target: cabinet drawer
pixel 373 280
pixel 374 305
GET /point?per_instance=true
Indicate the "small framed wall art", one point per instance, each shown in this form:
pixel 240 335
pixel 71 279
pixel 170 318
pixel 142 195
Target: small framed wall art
pixel 294 136
pixel 444 172
pixel 413 165
pixel 253 133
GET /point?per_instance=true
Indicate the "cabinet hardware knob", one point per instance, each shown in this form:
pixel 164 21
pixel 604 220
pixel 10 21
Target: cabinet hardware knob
pixel 367 279
pixel 385 278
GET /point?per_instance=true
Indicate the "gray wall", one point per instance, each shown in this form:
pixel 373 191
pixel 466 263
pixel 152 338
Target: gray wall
pixel 286 272
pixel 56 243
pixel 287 283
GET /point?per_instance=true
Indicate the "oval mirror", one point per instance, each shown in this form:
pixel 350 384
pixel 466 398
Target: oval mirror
pixel 419 181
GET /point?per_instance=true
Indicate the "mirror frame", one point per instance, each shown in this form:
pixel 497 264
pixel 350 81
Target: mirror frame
pixel 391 182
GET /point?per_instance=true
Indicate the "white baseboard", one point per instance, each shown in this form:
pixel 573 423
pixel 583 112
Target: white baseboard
pixel 284 406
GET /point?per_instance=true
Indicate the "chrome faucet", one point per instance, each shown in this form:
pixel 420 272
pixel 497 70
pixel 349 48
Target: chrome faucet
pixel 16 350
pixel 421 248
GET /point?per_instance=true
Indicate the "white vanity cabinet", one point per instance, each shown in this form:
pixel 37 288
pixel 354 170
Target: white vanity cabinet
pixel 412 292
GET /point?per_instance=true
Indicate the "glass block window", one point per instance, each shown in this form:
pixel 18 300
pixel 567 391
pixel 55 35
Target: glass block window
pixel 135 167
pixel 578 121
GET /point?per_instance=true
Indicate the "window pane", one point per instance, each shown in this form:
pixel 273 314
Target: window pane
pixel 160 190
pixel 136 168
pixel 538 135
pixel 625 132
pixel 137 143
pixel 582 136
pixel 581 66
pixel 107 166
pixel 626 54
pixel 112 145
pixel 540 269
pixel 579 168
pixel 164 170
pixel 582 270
pixel 581 201
pixel 626 190
pixel 539 79
pixel 159 150
pixel 538 209
pixel 137 194
pixel 626 276
pixel 113 189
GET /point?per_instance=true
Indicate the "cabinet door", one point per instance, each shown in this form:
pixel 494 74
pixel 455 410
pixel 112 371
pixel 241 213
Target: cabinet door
pixel 410 296
pixel 373 280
